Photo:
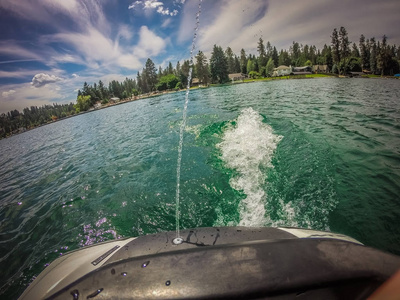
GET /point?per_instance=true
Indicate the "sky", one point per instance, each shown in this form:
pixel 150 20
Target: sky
pixel 49 48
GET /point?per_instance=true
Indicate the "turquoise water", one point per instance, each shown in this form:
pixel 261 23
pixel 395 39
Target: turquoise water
pixel 318 153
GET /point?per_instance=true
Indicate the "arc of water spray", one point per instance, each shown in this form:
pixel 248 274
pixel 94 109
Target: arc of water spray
pixel 178 239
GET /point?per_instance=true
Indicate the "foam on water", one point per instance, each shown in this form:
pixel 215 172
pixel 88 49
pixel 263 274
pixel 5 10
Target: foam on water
pixel 248 148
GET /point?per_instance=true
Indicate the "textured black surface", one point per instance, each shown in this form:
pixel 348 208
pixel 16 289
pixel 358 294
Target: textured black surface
pixel 194 238
pixel 237 263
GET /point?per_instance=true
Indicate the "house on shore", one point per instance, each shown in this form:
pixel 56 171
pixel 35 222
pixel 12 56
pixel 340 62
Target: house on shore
pixel 114 100
pixel 320 69
pixel 282 71
pixel 195 82
pixel 237 76
pixel 302 69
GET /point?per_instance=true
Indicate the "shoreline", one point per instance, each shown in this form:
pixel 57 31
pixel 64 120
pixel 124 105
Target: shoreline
pixel 151 95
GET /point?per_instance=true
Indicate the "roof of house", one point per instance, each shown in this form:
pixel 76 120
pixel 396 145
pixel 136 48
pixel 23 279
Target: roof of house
pixel 302 68
pixel 195 80
pixel 282 68
pixel 235 75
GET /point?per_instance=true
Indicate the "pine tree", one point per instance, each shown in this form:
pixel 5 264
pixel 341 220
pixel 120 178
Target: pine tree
pixel 150 74
pixel 230 60
pixel 202 68
pixel 218 65
pixel 262 58
pixel 335 47
pixel 344 47
pixel 243 61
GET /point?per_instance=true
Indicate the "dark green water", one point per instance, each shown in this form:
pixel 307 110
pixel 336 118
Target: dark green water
pixel 318 153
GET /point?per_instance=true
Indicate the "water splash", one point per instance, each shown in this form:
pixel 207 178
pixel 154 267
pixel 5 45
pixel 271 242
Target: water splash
pixel 247 148
pixel 183 125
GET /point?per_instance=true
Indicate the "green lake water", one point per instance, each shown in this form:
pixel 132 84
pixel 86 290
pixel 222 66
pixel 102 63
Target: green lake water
pixel 317 153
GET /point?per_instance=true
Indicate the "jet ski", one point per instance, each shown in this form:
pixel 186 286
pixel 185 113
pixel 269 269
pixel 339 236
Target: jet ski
pixel 219 263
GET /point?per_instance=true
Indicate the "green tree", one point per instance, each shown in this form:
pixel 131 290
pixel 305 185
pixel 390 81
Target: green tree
pixel 218 65
pixel 135 92
pixel 243 61
pixel 150 74
pixel 250 66
pixel 373 56
pixel 230 60
pixel 344 47
pixel 354 51
pixel 295 52
pixel 354 64
pixel 262 58
pixel 254 74
pixel 82 103
pixel 364 53
pixel 184 72
pixel 384 57
pixel 167 82
pixel 269 69
pixel 202 68
pixel 275 57
pixel 335 47
pixel 284 59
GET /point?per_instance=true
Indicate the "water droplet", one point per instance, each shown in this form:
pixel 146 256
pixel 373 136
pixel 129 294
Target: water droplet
pixel 145 264
pixel 177 241
pixel 95 293
pixel 75 294
pixel 168 283
pixel 124 273
pixel 113 271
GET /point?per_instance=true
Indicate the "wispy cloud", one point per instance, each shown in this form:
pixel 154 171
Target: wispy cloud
pixel 149 45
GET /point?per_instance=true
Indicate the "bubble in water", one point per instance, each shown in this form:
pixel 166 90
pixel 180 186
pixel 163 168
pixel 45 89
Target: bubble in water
pixel 168 283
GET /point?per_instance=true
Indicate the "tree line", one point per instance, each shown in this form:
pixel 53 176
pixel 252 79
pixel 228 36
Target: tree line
pixel 341 56
pixel 15 121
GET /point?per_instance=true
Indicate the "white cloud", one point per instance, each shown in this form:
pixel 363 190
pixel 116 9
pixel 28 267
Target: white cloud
pixel 149 45
pixel 149 5
pixel 165 11
pixel 42 79
pixel 8 93
pixel 75 75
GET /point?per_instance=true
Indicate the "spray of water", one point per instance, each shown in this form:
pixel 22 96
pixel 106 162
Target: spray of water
pixel 183 126
pixel 248 148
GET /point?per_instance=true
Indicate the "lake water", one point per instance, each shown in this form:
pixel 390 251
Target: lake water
pixel 317 153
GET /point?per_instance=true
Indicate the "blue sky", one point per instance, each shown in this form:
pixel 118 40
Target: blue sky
pixel 49 48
